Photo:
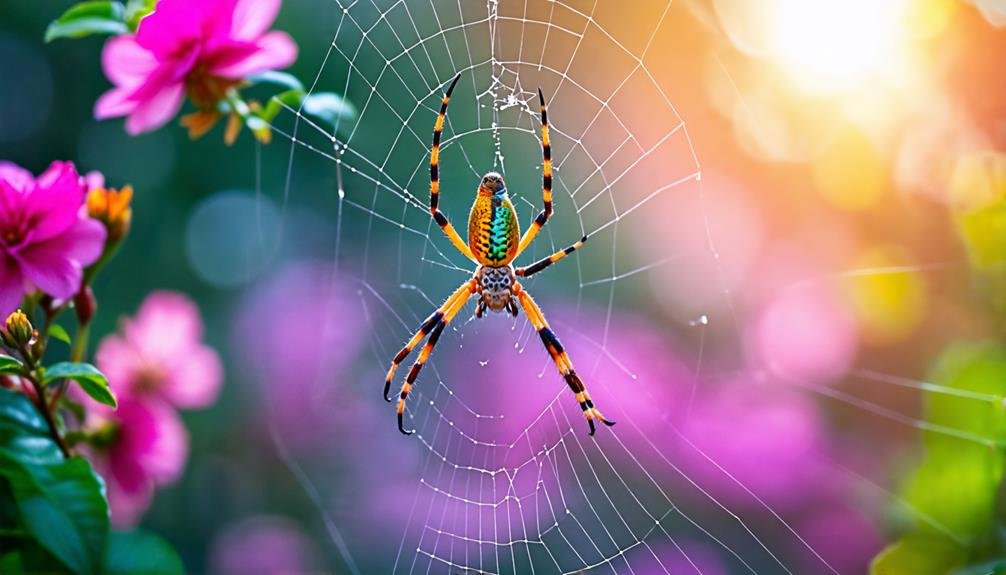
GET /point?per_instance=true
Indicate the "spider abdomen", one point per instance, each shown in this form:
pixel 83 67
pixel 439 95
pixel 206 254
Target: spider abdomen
pixel 493 231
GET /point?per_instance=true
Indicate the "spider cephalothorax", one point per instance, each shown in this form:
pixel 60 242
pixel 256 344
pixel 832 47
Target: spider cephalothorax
pixel 494 241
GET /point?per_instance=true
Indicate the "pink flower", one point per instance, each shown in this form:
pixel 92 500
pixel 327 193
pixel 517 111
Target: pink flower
pixel 160 354
pixel 199 47
pixel 46 238
pixel 141 445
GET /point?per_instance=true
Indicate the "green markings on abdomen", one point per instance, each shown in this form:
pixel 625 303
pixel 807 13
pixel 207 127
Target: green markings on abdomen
pixel 499 231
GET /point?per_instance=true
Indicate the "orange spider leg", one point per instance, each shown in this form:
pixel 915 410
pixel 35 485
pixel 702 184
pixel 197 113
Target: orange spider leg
pixel 446 313
pixel 462 293
pixel 560 357
pixel 544 263
pixel 438 216
pixel 546 182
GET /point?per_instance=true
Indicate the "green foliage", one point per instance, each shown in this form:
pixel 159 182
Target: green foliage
pixel 136 10
pixel 57 331
pixel 141 552
pixel 53 511
pixel 327 107
pixel 978 199
pixel 60 503
pixel 918 554
pixel 87 18
pixel 92 381
pixel 956 489
pixel 9 365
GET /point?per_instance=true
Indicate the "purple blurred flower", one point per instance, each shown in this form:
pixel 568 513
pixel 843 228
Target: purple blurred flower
pixel 503 373
pixel 751 431
pixel 263 545
pixel 46 238
pixel 140 445
pixel 846 539
pixel 160 353
pixel 297 332
pixel 199 47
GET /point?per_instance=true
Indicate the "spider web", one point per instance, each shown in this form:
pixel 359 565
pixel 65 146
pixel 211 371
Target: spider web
pixel 501 476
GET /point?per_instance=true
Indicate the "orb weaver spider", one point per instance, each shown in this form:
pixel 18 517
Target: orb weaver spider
pixel 493 233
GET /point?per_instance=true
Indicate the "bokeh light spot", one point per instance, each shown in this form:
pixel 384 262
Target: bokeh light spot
pixel 889 304
pixel 851 173
pixel 830 46
pixel 231 237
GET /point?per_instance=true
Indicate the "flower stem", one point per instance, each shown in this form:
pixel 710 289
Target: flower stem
pixel 79 349
pixel 77 353
pixel 49 420
pixel 43 405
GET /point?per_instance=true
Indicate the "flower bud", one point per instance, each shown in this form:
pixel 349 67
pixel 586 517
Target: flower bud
pixel 17 330
pixel 112 208
pixel 85 305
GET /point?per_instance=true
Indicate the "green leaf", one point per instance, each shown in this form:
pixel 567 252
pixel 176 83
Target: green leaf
pixel 136 10
pixel 288 99
pixel 141 552
pixel 86 18
pixel 9 365
pixel 918 555
pixel 61 502
pixel 326 106
pixel 288 81
pixel 956 485
pixel 57 331
pixel 329 107
pixel 90 379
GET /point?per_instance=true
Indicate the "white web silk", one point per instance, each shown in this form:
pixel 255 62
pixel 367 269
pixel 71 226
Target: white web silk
pixel 548 498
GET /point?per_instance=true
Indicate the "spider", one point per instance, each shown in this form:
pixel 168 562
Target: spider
pixel 493 244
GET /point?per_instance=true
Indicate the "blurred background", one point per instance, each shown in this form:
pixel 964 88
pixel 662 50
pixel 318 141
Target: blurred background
pixel 791 300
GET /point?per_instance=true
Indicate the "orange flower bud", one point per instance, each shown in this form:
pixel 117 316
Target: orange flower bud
pixel 112 208
pixel 17 330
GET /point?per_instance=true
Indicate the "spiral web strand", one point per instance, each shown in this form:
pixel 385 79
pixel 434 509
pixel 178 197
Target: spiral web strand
pixel 539 496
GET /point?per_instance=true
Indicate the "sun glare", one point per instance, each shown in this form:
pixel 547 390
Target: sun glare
pixel 828 46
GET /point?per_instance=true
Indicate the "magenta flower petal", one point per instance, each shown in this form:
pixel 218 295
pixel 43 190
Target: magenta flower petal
pixel 272 51
pixel 253 17
pixel 18 177
pixel 83 241
pixel 125 62
pixel 94 180
pixel 120 363
pixel 153 444
pixel 114 103
pixel 172 25
pixel 188 46
pixel 11 285
pixel 56 266
pixel 166 326
pixel 160 354
pixel 50 271
pixel 46 237
pixel 195 381
pixel 156 111
pixel 53 202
